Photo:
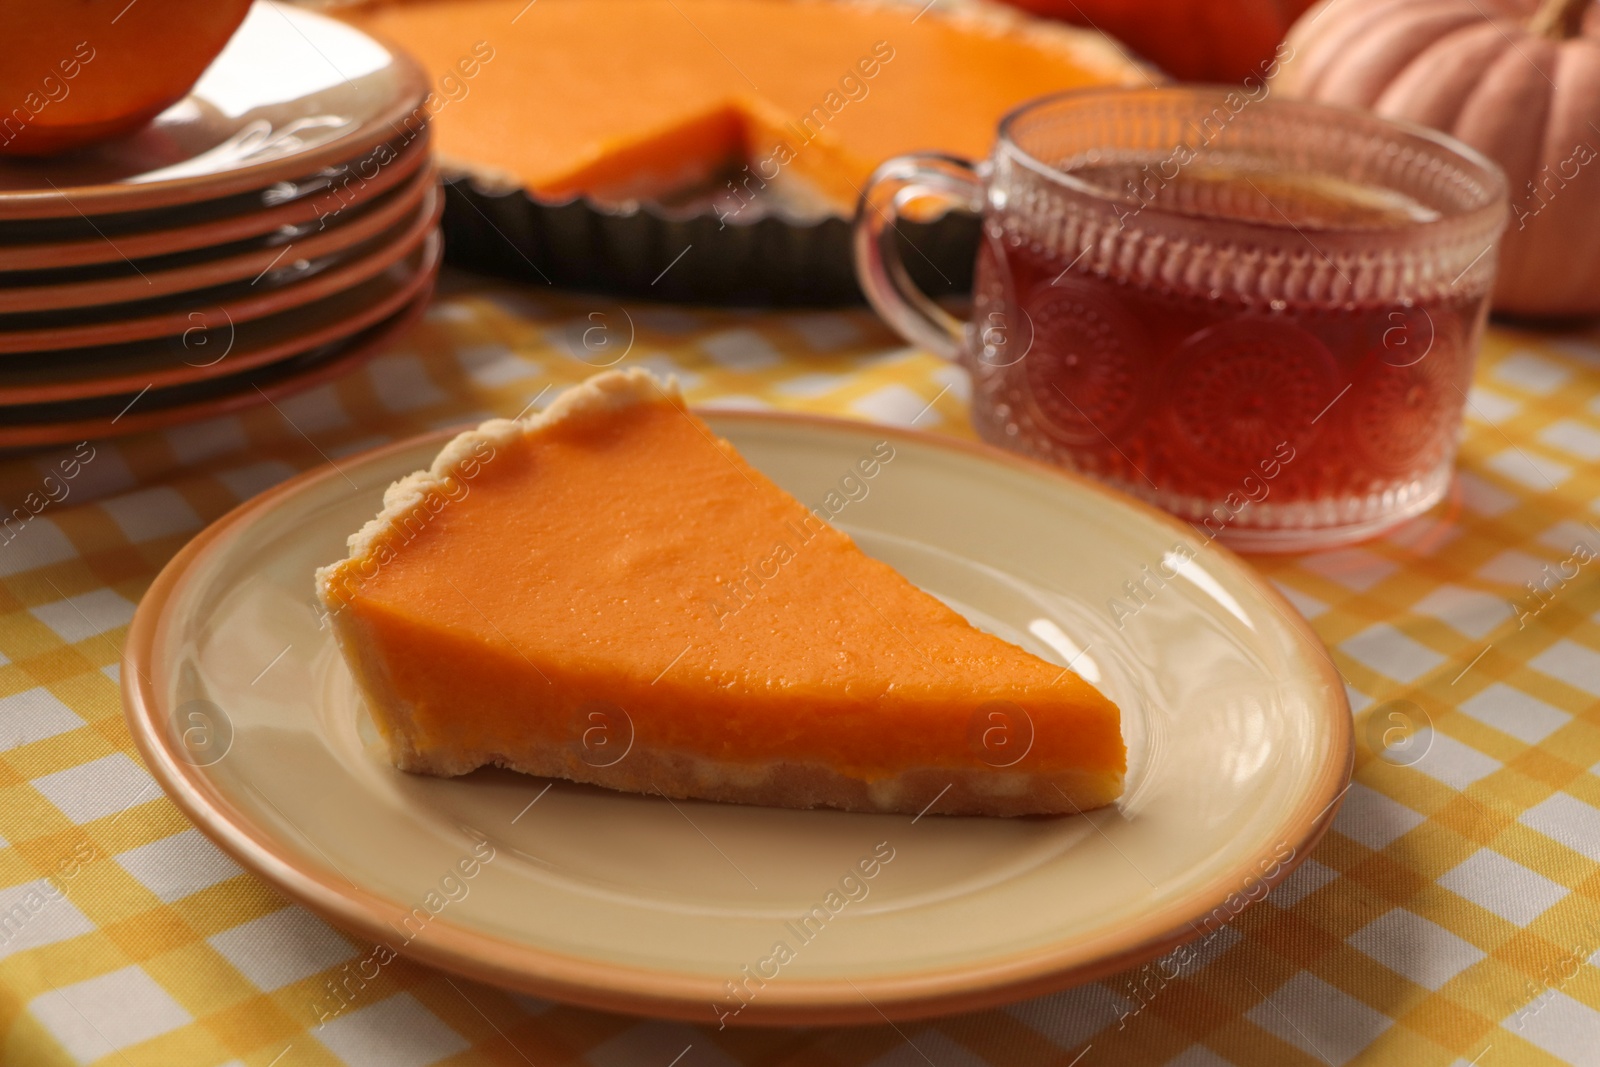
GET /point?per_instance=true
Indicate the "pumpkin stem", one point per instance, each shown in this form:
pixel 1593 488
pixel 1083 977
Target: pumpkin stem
pixel 1560 19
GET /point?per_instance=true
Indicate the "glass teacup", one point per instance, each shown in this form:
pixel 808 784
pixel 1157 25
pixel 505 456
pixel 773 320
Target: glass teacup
pixel 1258 314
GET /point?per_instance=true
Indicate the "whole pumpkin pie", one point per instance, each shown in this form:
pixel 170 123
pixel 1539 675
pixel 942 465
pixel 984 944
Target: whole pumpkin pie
pixel 609 593
pixel 622 99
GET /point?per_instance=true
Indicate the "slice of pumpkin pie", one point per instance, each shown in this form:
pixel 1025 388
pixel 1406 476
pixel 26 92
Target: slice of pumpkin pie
pixel 608 593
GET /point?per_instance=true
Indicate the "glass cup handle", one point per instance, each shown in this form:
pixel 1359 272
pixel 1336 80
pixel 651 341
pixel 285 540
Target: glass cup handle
pixel 942 180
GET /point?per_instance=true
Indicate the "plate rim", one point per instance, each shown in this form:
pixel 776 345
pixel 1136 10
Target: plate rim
pixel 369 223
pixel 338 328
pixel 343 276
pixel 238 226
pixel 636 990
pixel 383 334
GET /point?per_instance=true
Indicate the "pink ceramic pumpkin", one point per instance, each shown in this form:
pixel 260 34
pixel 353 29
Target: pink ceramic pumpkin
pixel 1517 79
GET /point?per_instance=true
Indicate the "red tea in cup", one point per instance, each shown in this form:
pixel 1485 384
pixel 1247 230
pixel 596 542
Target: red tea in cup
pixel 1261 320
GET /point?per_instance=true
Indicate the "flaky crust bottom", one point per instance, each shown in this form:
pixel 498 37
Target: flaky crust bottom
pixel 784 784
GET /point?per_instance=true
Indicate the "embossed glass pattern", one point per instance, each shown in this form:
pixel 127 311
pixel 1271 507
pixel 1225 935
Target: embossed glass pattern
pixel 1258 314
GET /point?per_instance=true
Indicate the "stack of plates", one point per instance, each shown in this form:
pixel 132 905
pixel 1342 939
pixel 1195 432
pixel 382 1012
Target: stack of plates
pixel 269 231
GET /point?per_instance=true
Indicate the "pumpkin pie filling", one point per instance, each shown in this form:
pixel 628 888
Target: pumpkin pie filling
pixel 637 98
pixel 611 594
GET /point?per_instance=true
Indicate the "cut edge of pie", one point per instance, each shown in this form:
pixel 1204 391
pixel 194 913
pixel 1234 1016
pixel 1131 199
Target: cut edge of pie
pixel 977 789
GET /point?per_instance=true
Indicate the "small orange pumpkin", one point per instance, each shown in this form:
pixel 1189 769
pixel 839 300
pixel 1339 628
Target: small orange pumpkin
pixel 79 72
pixel 1516 80
pixel 1195 40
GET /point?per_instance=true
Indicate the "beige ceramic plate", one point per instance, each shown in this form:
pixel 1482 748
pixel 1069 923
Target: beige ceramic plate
pixel 1238 729
pixel 316 199
pixel 292 91
pixel 204 269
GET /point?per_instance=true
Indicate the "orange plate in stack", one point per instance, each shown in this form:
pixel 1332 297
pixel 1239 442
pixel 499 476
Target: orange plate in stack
pixel 269 231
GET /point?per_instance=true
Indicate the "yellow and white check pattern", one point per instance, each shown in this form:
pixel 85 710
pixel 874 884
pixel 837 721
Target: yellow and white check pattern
pixel 1451 917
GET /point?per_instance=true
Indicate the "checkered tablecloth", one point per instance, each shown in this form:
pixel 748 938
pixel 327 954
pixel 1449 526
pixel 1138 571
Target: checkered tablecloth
pixel 1452 915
